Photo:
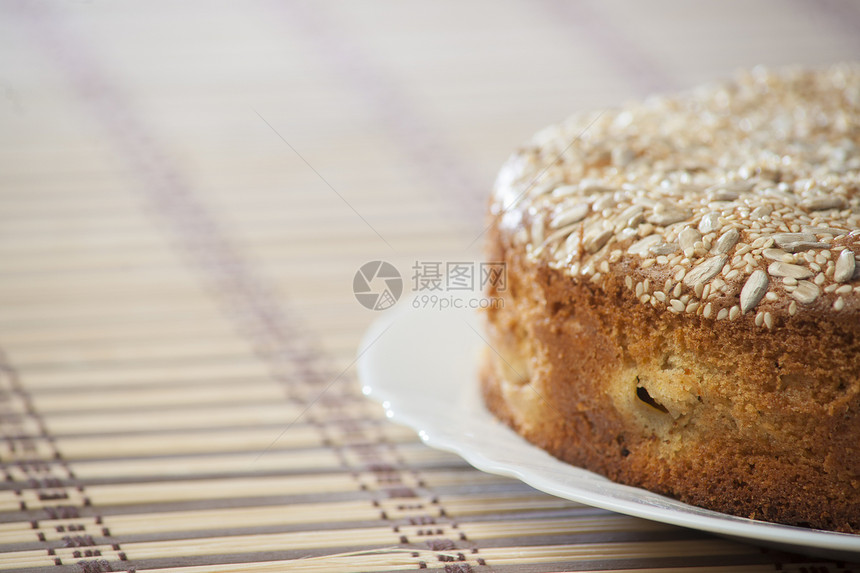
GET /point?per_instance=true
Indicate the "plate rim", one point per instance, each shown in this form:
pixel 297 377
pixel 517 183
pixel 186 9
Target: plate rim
pixel 369 359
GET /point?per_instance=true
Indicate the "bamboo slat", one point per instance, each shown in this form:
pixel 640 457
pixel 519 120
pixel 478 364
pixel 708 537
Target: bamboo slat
pixel 186 192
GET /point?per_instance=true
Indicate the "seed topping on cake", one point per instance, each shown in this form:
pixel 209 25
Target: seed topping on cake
pixel 736 198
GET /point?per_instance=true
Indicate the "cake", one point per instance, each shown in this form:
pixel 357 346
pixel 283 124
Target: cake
pixel 682 305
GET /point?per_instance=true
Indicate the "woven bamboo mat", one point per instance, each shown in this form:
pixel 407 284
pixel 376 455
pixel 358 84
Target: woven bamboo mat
pixel 186 191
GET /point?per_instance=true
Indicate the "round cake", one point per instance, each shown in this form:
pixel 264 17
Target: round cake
pixel 682 303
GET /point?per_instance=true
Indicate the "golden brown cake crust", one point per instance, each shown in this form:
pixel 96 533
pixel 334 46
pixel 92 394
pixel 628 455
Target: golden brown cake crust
pixel 713 391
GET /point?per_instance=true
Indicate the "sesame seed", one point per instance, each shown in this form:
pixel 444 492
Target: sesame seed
pixel 839 304
pixel 844 289
pixel 759 319
pixel 706 311
pixel 628 282
pixel 768 320
pixel 677 305
pixel 734 312
pixel 792 308
pixel 723 314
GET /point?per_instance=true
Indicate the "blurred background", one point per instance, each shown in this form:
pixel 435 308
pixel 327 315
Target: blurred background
pixel 187 190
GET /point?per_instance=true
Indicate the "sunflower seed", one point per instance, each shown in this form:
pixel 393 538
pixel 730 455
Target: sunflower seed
pixel 823 230
pixel 594 186
pixel 782 239
pixel 669 217
pixel 803 246
pixel 710 222
pixel 622 156
pixel 824 202
pixel 780 269
pixel 753 290
pixel 630 217
pixel 596 240
pixel 773 254
pixel 845 265
pixel 663 249
pixel 727 240
pixel 806 292
pixel 642 246
pixel 687 240
pixel 573 214
pixel 761 211
pixel 705 271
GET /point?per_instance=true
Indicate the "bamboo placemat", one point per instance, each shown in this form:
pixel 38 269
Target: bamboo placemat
pixel 186 191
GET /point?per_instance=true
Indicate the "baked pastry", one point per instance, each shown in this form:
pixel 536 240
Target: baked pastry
pixel 682 304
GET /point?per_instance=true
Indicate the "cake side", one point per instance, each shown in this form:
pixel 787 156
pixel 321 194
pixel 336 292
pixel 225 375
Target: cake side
pixel 760 424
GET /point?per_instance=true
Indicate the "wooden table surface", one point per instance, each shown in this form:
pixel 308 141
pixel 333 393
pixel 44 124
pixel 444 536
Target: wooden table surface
pixel 186 193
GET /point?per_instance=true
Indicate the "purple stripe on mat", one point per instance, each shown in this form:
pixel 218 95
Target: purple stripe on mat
pixel 59 493
pixel 427 149
pixel 280 338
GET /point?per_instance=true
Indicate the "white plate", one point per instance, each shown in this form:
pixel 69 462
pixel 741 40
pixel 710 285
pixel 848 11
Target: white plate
pixel 421 366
